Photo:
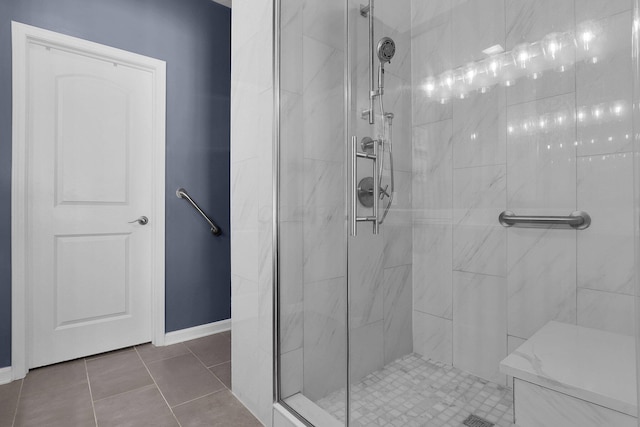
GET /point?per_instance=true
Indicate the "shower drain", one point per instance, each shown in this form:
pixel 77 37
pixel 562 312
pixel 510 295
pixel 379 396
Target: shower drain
pixel 476 421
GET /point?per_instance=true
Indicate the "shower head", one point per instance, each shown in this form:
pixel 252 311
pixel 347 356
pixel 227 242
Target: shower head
pixel 386 49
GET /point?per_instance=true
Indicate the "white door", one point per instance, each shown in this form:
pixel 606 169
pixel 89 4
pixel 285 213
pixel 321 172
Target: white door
pixel 89 175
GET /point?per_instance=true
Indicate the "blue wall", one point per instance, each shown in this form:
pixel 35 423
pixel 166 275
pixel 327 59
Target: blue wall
pixel 194 38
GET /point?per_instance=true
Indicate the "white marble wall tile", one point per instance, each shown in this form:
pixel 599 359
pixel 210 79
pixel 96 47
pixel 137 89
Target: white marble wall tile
pixel 398 336
pixel 606 248
pixel 324 21
pixel 323 221
pixel 429 14
pixel 607 311
pixel 323 101
pixel 432 269
pixel 291 369
pixel 254 113
pixel 432 337
pixel 365 279
pixel 247 63
pixel 244 175
pixel 479 241
pixel 477 25
pixel 291 157
pixel 366 350
pixel 479 324
pixel 291 286
pixel 541 279
pixel 394 20
pixel 395 14
pixel 596 9
pixel 397 100
pixel 541 160
pixel 398 244
pixel 291 51
pixel 253 19
pixel 401 207
pixel 479 129
pixel 432 169
pixel 245 254
pixel 244 345
pixel 430 55
pixel 604 90
pixel 531 20
pixel 325 352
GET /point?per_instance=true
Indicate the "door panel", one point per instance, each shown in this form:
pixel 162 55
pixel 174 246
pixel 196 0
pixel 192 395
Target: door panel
pixel 90 174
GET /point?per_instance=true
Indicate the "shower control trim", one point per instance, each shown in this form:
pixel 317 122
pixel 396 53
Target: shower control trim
pixel 355 154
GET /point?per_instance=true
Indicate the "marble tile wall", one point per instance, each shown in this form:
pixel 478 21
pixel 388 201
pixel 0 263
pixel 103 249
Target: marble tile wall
pixel 550 145
pixel 251 206
pixel 380 266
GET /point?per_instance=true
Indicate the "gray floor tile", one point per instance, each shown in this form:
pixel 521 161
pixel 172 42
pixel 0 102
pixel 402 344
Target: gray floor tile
pixel 54 376
pixel 216 410
pixel 8 402
pixel 63 406
pixel 223 372
pixel 183 378
pixel 117 373
pixel 151 353
pixel 212 350
pixel 141 407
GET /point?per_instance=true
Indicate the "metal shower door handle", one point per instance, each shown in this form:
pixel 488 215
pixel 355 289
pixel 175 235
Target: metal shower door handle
pixel 354 186
pixel 143 220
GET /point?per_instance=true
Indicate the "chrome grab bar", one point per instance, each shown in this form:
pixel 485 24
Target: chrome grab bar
pixel 578 220
pixel 182 194
pixel 355 154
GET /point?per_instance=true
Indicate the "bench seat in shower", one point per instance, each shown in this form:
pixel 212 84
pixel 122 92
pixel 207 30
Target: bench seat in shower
pixel 570 375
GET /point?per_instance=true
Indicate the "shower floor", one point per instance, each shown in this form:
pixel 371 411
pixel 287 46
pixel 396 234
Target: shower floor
pixel 413 391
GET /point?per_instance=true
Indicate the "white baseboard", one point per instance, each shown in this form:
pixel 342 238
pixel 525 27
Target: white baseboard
pixel 6 375
pixel 197 332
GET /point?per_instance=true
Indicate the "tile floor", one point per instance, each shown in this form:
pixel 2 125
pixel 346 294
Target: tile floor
pixel 415 392
pixel 185 385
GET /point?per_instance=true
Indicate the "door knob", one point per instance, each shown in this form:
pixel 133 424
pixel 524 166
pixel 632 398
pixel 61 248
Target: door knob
pixel 143 220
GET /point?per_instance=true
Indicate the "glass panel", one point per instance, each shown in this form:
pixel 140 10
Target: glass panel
pixel 520 106
pixel 479 108
pixel 312 285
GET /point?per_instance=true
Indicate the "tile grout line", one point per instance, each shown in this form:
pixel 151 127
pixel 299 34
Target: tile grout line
pixel 205 366
pixel 15 412
pixel 203 396
pixel 93 407
pixel 135 348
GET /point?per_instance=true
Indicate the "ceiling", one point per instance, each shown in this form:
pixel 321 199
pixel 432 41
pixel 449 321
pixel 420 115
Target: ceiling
pixel 224 2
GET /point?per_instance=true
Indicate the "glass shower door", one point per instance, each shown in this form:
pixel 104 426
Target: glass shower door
pixel 437 159
pixel 480 108
pixel 312 220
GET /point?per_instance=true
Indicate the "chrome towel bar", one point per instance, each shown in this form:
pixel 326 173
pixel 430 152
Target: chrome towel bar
pixel 182 194
pixel 578 220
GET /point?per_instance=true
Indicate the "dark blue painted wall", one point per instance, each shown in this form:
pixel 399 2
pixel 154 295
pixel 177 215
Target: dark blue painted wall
pixel 194 38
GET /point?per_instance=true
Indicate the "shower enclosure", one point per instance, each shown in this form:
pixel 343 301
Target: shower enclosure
pixel 406 129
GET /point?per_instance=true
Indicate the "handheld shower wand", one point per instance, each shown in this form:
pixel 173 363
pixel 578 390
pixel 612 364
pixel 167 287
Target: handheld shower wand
pixel 386 49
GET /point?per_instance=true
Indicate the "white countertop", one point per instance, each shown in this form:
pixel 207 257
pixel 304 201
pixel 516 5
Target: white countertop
pixel 589 364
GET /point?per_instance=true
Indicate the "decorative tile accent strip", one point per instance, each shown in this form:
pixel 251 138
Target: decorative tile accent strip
pixel 413 391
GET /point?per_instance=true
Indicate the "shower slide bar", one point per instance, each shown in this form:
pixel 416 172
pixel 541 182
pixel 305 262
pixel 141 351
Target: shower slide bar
pixel 182 194
pixel 578 220
pixel 355 154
